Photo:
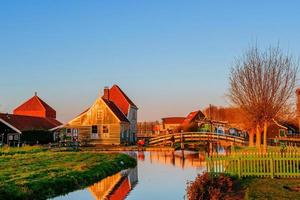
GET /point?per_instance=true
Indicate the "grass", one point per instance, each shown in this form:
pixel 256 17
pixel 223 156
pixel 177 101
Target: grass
pixel 260 188
pixel 276 149
pixel 22 150
pixel 34 173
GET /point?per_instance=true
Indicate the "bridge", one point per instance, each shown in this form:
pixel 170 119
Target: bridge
pixel 193 137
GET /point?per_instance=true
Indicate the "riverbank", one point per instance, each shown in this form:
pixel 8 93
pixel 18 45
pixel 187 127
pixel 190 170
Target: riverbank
pixel 221 186
pixel 266 188
pixel 40 174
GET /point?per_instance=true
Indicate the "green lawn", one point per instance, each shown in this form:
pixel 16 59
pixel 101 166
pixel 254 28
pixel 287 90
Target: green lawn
pixel 259 188
pixel 37 174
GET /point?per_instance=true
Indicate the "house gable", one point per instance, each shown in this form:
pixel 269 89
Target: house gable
pixel 192 117
pixel 101 112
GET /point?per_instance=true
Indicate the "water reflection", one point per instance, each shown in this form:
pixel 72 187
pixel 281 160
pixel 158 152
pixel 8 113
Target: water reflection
pixel 182 159
pixel 116 186
pixel 158 175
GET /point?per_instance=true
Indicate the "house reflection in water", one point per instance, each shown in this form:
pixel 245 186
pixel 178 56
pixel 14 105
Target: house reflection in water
pixel 115 187
pixel 179 159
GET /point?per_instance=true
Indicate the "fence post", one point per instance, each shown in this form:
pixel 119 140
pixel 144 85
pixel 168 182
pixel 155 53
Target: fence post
pixel 272 167
pixel 239 167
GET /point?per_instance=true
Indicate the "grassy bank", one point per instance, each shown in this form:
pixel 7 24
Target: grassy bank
pixel 259 188
pixel 221 186
pixel 275 149
pixel 39 174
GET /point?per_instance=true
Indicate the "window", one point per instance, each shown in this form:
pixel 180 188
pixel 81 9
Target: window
pixel 281 133
pixel 105 131
pixel 134 115
pixel 94 132
pixel 16 137
pixel 75 132
pixel 94 129
pixel 69 132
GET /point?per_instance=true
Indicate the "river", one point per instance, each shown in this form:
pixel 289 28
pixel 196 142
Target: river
pixel 158 175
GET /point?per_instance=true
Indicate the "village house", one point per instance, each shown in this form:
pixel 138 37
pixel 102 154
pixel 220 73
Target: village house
pixel 173 124
pixel 32 115
pixel 112 119
pixel 193 117
pixel 169 124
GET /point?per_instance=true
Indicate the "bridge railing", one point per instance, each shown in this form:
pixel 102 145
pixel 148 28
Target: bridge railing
pixel 272 164
pixel 195 136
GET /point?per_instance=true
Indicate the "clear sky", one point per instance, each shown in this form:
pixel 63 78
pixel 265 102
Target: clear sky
pixel 170 57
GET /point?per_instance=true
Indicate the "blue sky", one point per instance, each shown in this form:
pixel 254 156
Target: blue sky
pixel 170 57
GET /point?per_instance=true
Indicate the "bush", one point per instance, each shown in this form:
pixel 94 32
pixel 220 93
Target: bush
pixel 209 187
pixel 193 127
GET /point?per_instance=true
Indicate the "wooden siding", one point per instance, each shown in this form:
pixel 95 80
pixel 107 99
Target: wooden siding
pixel 98 113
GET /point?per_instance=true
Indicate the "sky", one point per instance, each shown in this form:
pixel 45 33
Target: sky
pixel 170 57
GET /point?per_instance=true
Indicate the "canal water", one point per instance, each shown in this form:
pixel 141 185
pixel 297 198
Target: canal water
pixel 158 175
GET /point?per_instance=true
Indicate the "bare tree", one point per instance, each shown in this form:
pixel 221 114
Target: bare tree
pixel 262 84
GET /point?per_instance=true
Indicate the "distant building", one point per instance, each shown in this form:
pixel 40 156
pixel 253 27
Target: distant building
pixel 173 124
pixel 112 119
pixel 32 115
pixel 169 124
pixel 193 117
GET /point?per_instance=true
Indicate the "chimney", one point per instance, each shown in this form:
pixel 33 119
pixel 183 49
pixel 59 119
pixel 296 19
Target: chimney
pixel 106 93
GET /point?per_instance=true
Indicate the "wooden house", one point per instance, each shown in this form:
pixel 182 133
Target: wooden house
pixel 110 120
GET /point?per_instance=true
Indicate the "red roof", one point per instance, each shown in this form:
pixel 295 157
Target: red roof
pixel 120 99
pixel 23 123
pixel 121 190
pixel 192 116
pixel 173 120
pixel 35 107
pixel 115 110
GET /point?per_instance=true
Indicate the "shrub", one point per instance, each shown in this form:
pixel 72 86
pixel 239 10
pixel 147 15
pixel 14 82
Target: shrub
pixel 193 127
pixel 32 136
pixel 209 187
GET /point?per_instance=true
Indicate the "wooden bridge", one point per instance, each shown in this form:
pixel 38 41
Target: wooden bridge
pixel 192 137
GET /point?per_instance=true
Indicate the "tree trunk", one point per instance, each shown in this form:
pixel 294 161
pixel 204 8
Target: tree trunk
pixel 265 136
pixel 258 136
pixel 251 137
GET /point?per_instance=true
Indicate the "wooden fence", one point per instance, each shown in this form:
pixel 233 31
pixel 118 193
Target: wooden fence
pixel 272 164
